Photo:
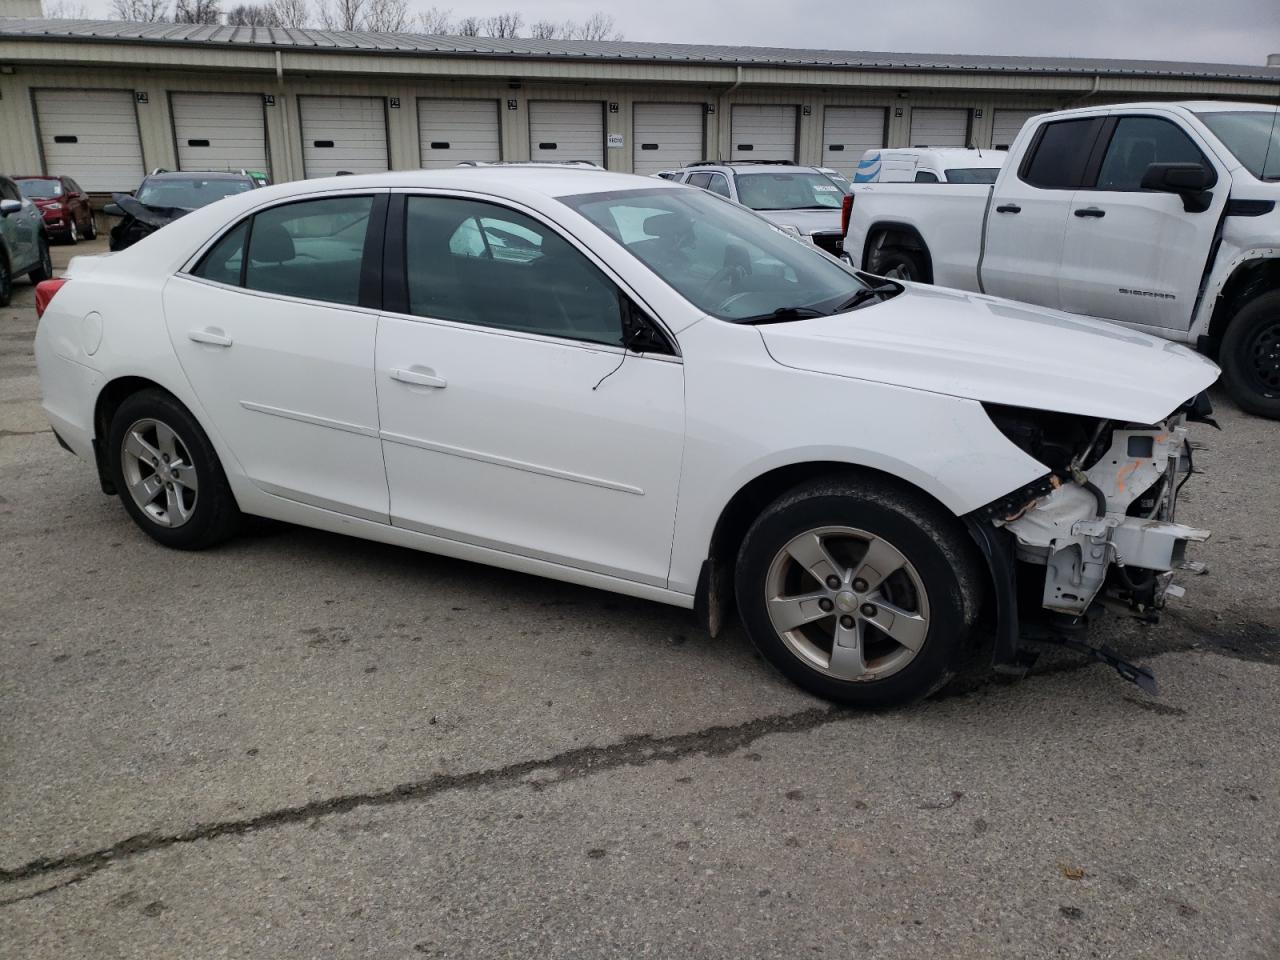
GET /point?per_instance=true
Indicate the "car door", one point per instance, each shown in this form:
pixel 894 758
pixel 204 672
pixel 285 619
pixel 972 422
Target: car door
pixel 511 417
pixel 1027 220
pixel 279 347
pixel 1137 255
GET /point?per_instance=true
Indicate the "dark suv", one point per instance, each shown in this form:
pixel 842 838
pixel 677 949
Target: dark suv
pixel 165 196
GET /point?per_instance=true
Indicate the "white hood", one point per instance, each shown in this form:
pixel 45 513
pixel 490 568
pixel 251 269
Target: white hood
pixel 806 221
pixel 997 351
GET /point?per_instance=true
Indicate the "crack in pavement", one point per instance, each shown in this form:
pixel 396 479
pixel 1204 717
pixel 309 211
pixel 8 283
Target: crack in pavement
pixel 638 750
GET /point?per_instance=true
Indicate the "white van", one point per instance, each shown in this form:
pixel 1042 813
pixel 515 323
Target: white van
pixel 930 165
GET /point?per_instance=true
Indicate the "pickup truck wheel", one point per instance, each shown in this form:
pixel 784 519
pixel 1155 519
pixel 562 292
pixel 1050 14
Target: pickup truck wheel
pixel 897 263
pixel 858 592
pixel 1250 356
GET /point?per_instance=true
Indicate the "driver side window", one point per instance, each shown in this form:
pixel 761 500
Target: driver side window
pixel 479 263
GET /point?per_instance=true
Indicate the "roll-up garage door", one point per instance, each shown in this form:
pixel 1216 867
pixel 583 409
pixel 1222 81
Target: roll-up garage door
pixel 219 131
pixel 763 132
pixel 934 127
pixel 91 136
pixel 665 136
pixel 848 133
pixel 1006 124
pixel 343 133
pixel 451 131
pixel 566 130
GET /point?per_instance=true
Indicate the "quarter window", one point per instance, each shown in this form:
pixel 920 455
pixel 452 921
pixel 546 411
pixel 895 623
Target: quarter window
pixel 702 180
pixel 313 249
pixel 475 262
pixel 1060 154
pixel 1139 142
pixel 926 176
pixel 222 262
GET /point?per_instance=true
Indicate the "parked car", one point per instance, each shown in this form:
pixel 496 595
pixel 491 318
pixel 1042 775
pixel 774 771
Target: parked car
pixel 930 165
pixel 164 196
pixel 620 382
pixel 24 247
pixel 801 200
pixel 1161 216
pixel 67 213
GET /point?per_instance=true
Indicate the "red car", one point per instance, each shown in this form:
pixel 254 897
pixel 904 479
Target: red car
pixel 64 206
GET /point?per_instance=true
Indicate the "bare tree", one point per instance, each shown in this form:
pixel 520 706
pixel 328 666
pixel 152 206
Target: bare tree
pixel 251 15
pixel 435 20
pixel 469 27
pixel 66 10
pixel 140 11
pixel 503 25
pixel 552 30
pixel 388 16
pixel 197 11
pixel 291 13
pixel 598 26
pixel 343 14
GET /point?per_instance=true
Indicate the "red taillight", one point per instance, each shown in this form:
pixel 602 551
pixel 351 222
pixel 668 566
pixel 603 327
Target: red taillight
pixel 45 290
pixel 846 208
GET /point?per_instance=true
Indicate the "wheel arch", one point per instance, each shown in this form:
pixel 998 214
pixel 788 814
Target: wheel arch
pixel 1250 279
pixel 895 233
pixel 714 599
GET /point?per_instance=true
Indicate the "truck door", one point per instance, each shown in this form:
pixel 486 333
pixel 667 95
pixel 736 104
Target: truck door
pixel 1136 255
pixel 1027 219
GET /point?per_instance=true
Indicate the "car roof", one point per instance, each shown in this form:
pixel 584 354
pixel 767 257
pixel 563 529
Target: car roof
pixel 203 174
pixel 37 176
pixel 751 166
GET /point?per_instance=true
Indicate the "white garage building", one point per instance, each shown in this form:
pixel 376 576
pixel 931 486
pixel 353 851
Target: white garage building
pixel 103 101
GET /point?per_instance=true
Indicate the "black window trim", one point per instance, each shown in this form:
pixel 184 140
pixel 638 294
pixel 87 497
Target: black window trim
pixel 395 279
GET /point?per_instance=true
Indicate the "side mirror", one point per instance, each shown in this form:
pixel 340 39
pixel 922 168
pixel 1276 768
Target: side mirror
pixel 113 210
pixel 1191 181
pixel 9 206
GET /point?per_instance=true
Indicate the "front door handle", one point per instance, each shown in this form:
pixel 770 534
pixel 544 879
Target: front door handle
pixel 210 335
pixel 1008 208
pixel 1090 212
pixel 419 378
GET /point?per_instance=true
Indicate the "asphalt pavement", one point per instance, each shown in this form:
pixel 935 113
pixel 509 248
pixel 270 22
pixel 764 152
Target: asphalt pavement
pixel 300 745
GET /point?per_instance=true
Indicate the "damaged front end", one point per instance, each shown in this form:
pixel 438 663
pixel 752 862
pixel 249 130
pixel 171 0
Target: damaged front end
pixel 1097 530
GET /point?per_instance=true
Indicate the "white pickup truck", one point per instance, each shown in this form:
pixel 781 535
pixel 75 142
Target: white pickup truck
pixel 1161 216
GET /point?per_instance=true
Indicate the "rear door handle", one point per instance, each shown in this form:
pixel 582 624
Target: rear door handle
pixel 210 335
pixel 419 378
pixel 1090 212
pixel 1008 208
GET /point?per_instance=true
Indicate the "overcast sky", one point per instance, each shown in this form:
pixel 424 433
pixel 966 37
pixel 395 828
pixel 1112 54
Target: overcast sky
pixel 1223 31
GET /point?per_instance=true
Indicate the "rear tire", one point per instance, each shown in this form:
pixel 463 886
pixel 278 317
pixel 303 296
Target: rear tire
pixel 885 618
pixel 44 271
pixel 899 263
pixel 1250 356
pixel 168 475
pixel 91 230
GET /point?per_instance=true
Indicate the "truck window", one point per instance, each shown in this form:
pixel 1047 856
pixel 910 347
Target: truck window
pixel 1139 142
pixel 924 176
pixel 1059 154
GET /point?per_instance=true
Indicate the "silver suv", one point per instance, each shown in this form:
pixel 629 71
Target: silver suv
pixel 800 200
pixel 24 245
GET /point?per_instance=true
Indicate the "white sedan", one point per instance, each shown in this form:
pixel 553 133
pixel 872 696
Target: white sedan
pixel 636 386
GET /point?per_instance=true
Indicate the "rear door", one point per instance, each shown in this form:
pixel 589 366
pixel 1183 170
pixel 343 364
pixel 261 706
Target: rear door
pixel 220 131
pixel 91 135
pixel 1137 255
pixel 939 127
pixel 665 136
pixel 760 132
pixel 1027 218
pixel 451 131
pixel 562 130
pixel 343 134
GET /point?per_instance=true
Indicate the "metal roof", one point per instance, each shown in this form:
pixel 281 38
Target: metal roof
pixel 271 38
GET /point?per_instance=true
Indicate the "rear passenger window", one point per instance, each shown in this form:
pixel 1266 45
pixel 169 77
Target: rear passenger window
pixel 222 262
pixel 475 262
pixel 1139 142
pixel 312 249
pixel 719 184
pixel 699 180
pixel 1059 154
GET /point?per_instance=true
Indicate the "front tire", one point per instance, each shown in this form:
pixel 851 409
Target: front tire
pixel 168 475
pixel 1250 356
pixel 859 592
pixel 73 233
pixel 44 270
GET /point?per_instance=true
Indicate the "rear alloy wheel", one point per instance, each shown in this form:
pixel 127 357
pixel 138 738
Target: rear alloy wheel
pixel 168 475
pixel 1250 356
pixel 899 264
pixel 45 270
pixel 858 592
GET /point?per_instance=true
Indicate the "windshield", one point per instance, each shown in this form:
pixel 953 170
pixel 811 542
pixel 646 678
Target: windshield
pixel 1253 136
pixel 788 190
pixel 40 189
pixel 188 193
pixel 721 258
pixel 973 174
